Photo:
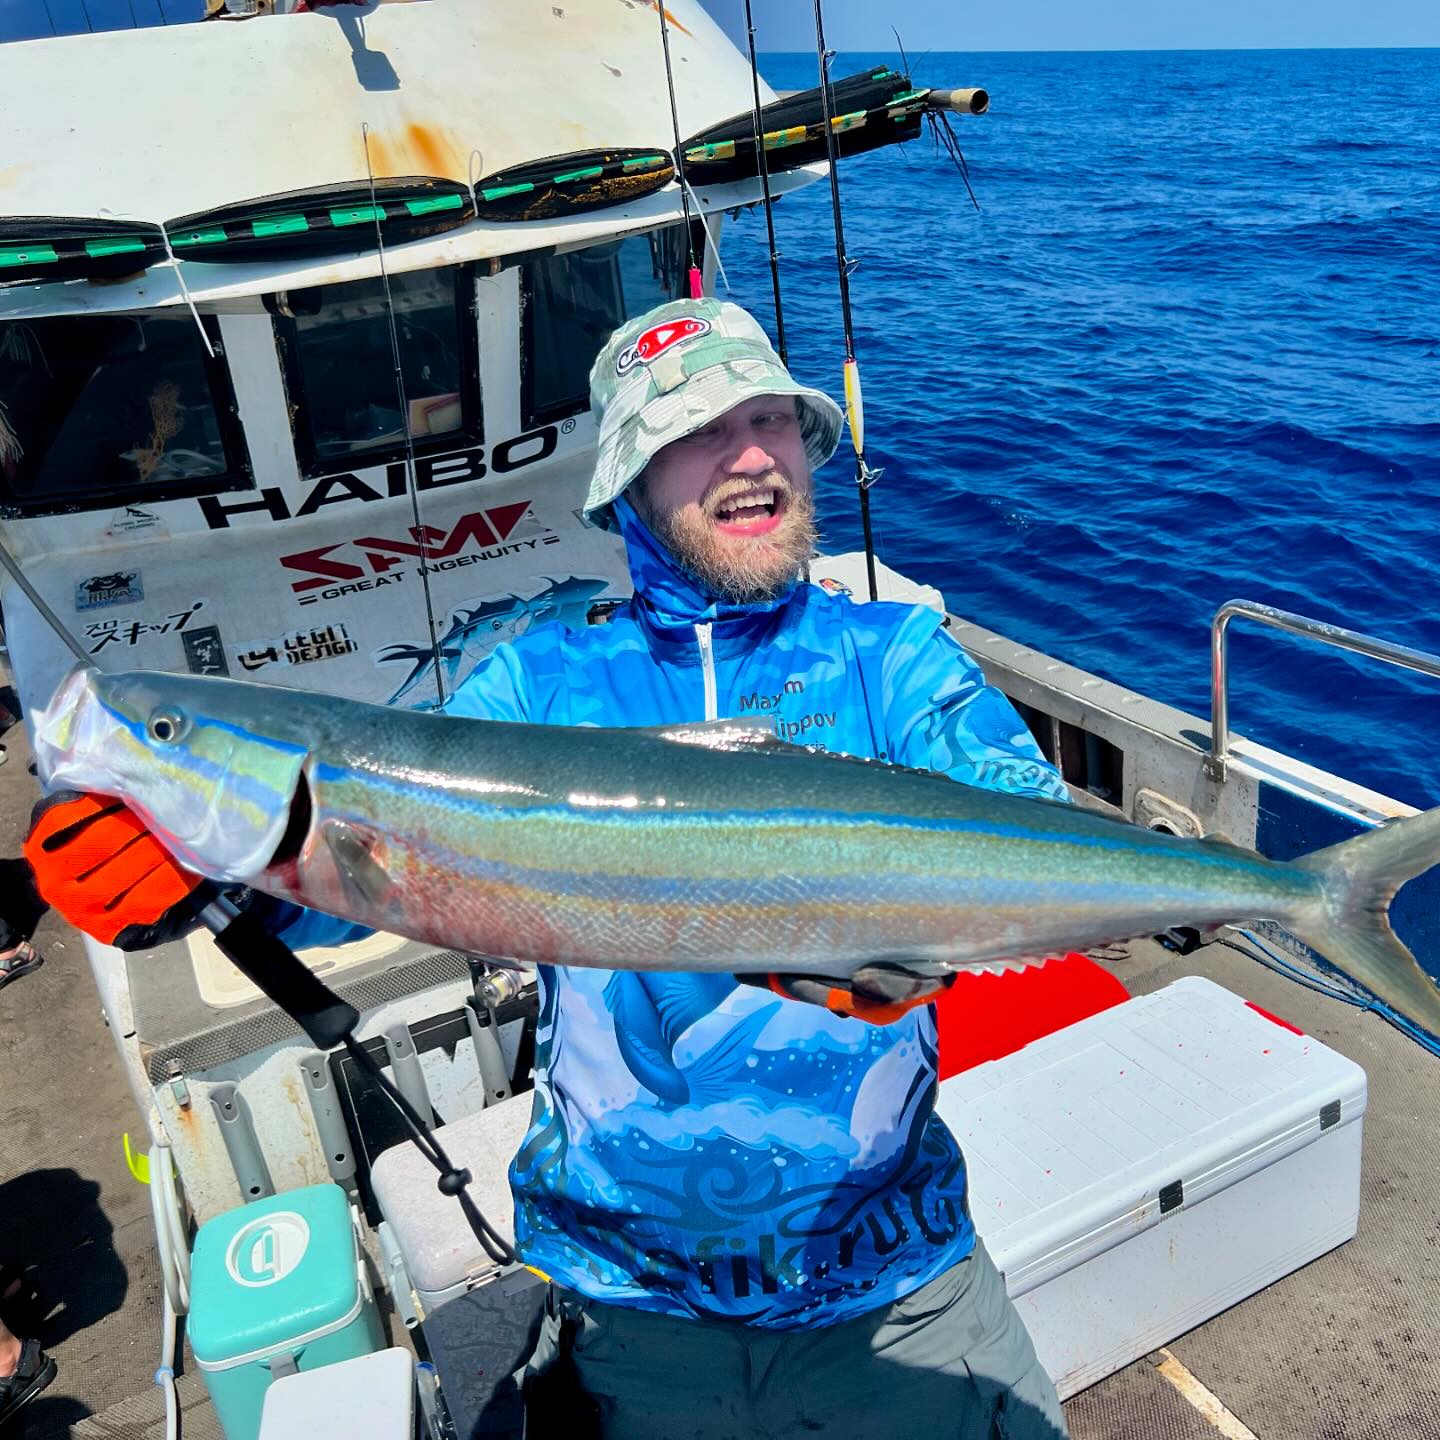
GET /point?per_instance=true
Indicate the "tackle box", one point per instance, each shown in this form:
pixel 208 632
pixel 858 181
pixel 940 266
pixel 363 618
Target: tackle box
pixel 1132 1174
pixel 1142 1170
pixel 276 1287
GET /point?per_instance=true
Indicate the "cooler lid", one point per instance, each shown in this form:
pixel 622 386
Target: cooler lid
pixel 273 1274
pixel 370 1397
pixel 1114 1123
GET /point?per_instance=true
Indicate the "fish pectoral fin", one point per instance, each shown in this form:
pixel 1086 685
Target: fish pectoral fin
pixel 360 861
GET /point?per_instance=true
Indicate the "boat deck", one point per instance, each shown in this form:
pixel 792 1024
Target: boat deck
pixel 1344 1349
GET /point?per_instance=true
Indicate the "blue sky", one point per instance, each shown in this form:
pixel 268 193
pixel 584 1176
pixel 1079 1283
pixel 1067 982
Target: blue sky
pixel 945 24
pixel 1107 25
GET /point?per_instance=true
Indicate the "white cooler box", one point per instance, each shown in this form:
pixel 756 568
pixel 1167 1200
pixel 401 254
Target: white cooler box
pixel 1131 1175
pixel 441 1254
pixel 1138 1172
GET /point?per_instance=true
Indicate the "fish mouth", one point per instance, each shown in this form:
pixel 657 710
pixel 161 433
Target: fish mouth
pixel 65 730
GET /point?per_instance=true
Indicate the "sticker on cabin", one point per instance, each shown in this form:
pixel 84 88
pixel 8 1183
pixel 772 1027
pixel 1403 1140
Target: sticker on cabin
pixel 370 562
pixel 104 633
pixel 204 653
pixel 134 521
pixel 481 623
pixel 300 647
pixel 120 588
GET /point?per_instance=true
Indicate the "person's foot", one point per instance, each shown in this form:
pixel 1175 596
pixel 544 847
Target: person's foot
pixel 33 1371
pixel 19 960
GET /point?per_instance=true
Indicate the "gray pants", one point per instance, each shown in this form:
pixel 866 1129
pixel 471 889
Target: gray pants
pixel 950 1362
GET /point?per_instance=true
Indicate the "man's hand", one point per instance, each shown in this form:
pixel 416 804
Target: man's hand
pixel 878 996
pixel 97 864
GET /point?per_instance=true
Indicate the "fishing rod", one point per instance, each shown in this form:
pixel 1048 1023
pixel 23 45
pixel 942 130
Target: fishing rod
pixel 411 485
pixel 865 477
pixel 283 978
pixel 697 283
pixel 763 163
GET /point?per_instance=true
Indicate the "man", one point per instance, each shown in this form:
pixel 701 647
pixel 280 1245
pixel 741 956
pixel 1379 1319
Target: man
pixel 754 1222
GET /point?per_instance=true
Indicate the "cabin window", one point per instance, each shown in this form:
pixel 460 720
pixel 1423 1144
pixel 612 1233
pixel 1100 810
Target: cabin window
pixel 339 355
pixel 571 304
pixel 102 410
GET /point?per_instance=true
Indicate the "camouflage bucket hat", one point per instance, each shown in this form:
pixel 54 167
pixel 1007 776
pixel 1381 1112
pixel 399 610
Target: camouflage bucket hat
pixel 669 372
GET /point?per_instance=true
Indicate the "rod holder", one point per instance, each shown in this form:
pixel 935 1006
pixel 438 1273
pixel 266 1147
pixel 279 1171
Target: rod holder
pixel 238 1131
pixel 960 102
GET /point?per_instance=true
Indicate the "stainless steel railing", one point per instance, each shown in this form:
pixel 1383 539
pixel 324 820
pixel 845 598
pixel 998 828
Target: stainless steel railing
pixel 1336 635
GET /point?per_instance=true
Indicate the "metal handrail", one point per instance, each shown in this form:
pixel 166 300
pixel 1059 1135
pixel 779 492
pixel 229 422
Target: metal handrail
pixel 1335 635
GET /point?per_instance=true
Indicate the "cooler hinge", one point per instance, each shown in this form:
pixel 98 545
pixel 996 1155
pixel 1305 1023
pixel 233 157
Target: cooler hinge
pixel 1172 1196
pixel 1329 1115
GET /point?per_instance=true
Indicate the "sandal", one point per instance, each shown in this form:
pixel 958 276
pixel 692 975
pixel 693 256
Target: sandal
pixel 20 961
pixel 34 1372
pixel 22 1308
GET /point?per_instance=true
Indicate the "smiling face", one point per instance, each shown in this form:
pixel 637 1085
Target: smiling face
pixel 732 501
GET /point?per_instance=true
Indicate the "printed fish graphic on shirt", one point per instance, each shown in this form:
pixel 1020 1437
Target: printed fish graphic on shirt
pixel 652 1012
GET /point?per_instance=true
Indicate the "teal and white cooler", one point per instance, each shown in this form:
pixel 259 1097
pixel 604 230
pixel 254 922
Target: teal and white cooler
pixel 277 1286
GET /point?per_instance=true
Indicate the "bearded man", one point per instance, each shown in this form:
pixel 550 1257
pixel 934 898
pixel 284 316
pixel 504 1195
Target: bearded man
pixel 754 1222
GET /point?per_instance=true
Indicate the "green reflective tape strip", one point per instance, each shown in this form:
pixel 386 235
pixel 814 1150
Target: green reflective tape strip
pixel 648 162
pixel 852 121
pixel 31 255
pixel 905 95
pixel 501 191
pixel 198 237
pixel 434 203
pixel 98 249
pixel 715 150
pixel 279 225
pixel 589 173
pixel 357 215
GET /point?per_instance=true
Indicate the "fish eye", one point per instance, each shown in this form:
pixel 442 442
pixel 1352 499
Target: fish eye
pixel 165 727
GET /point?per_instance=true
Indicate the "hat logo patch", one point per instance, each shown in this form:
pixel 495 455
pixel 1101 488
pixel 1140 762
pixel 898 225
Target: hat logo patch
pixel 658 339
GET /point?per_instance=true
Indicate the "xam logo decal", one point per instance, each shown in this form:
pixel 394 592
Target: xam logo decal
pixel 658 339
pixel 482 535
pixel 432 472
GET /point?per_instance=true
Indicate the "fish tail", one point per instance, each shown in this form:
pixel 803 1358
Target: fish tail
pixel 1359 878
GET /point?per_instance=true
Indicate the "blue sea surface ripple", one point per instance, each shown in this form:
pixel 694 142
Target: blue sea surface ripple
pixel 1187 350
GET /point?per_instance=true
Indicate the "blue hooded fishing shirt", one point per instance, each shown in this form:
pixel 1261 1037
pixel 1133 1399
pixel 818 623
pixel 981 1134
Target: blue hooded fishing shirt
pixel 699 1146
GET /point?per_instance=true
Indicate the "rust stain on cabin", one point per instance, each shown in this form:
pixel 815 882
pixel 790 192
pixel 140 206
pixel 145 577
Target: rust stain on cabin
pixel 417 150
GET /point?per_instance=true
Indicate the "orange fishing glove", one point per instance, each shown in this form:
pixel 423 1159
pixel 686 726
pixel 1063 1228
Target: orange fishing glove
pixel 856 1001
pixel 97 864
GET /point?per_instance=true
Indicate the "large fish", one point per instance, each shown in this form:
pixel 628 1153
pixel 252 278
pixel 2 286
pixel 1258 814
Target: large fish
pixel 634 849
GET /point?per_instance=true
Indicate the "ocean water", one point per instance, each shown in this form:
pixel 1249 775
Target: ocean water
pixel 1187 350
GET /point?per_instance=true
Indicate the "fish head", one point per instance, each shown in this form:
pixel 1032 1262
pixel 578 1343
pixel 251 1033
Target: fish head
pixel 212 766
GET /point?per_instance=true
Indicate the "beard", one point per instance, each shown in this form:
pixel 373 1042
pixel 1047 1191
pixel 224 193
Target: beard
pixel 739 569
